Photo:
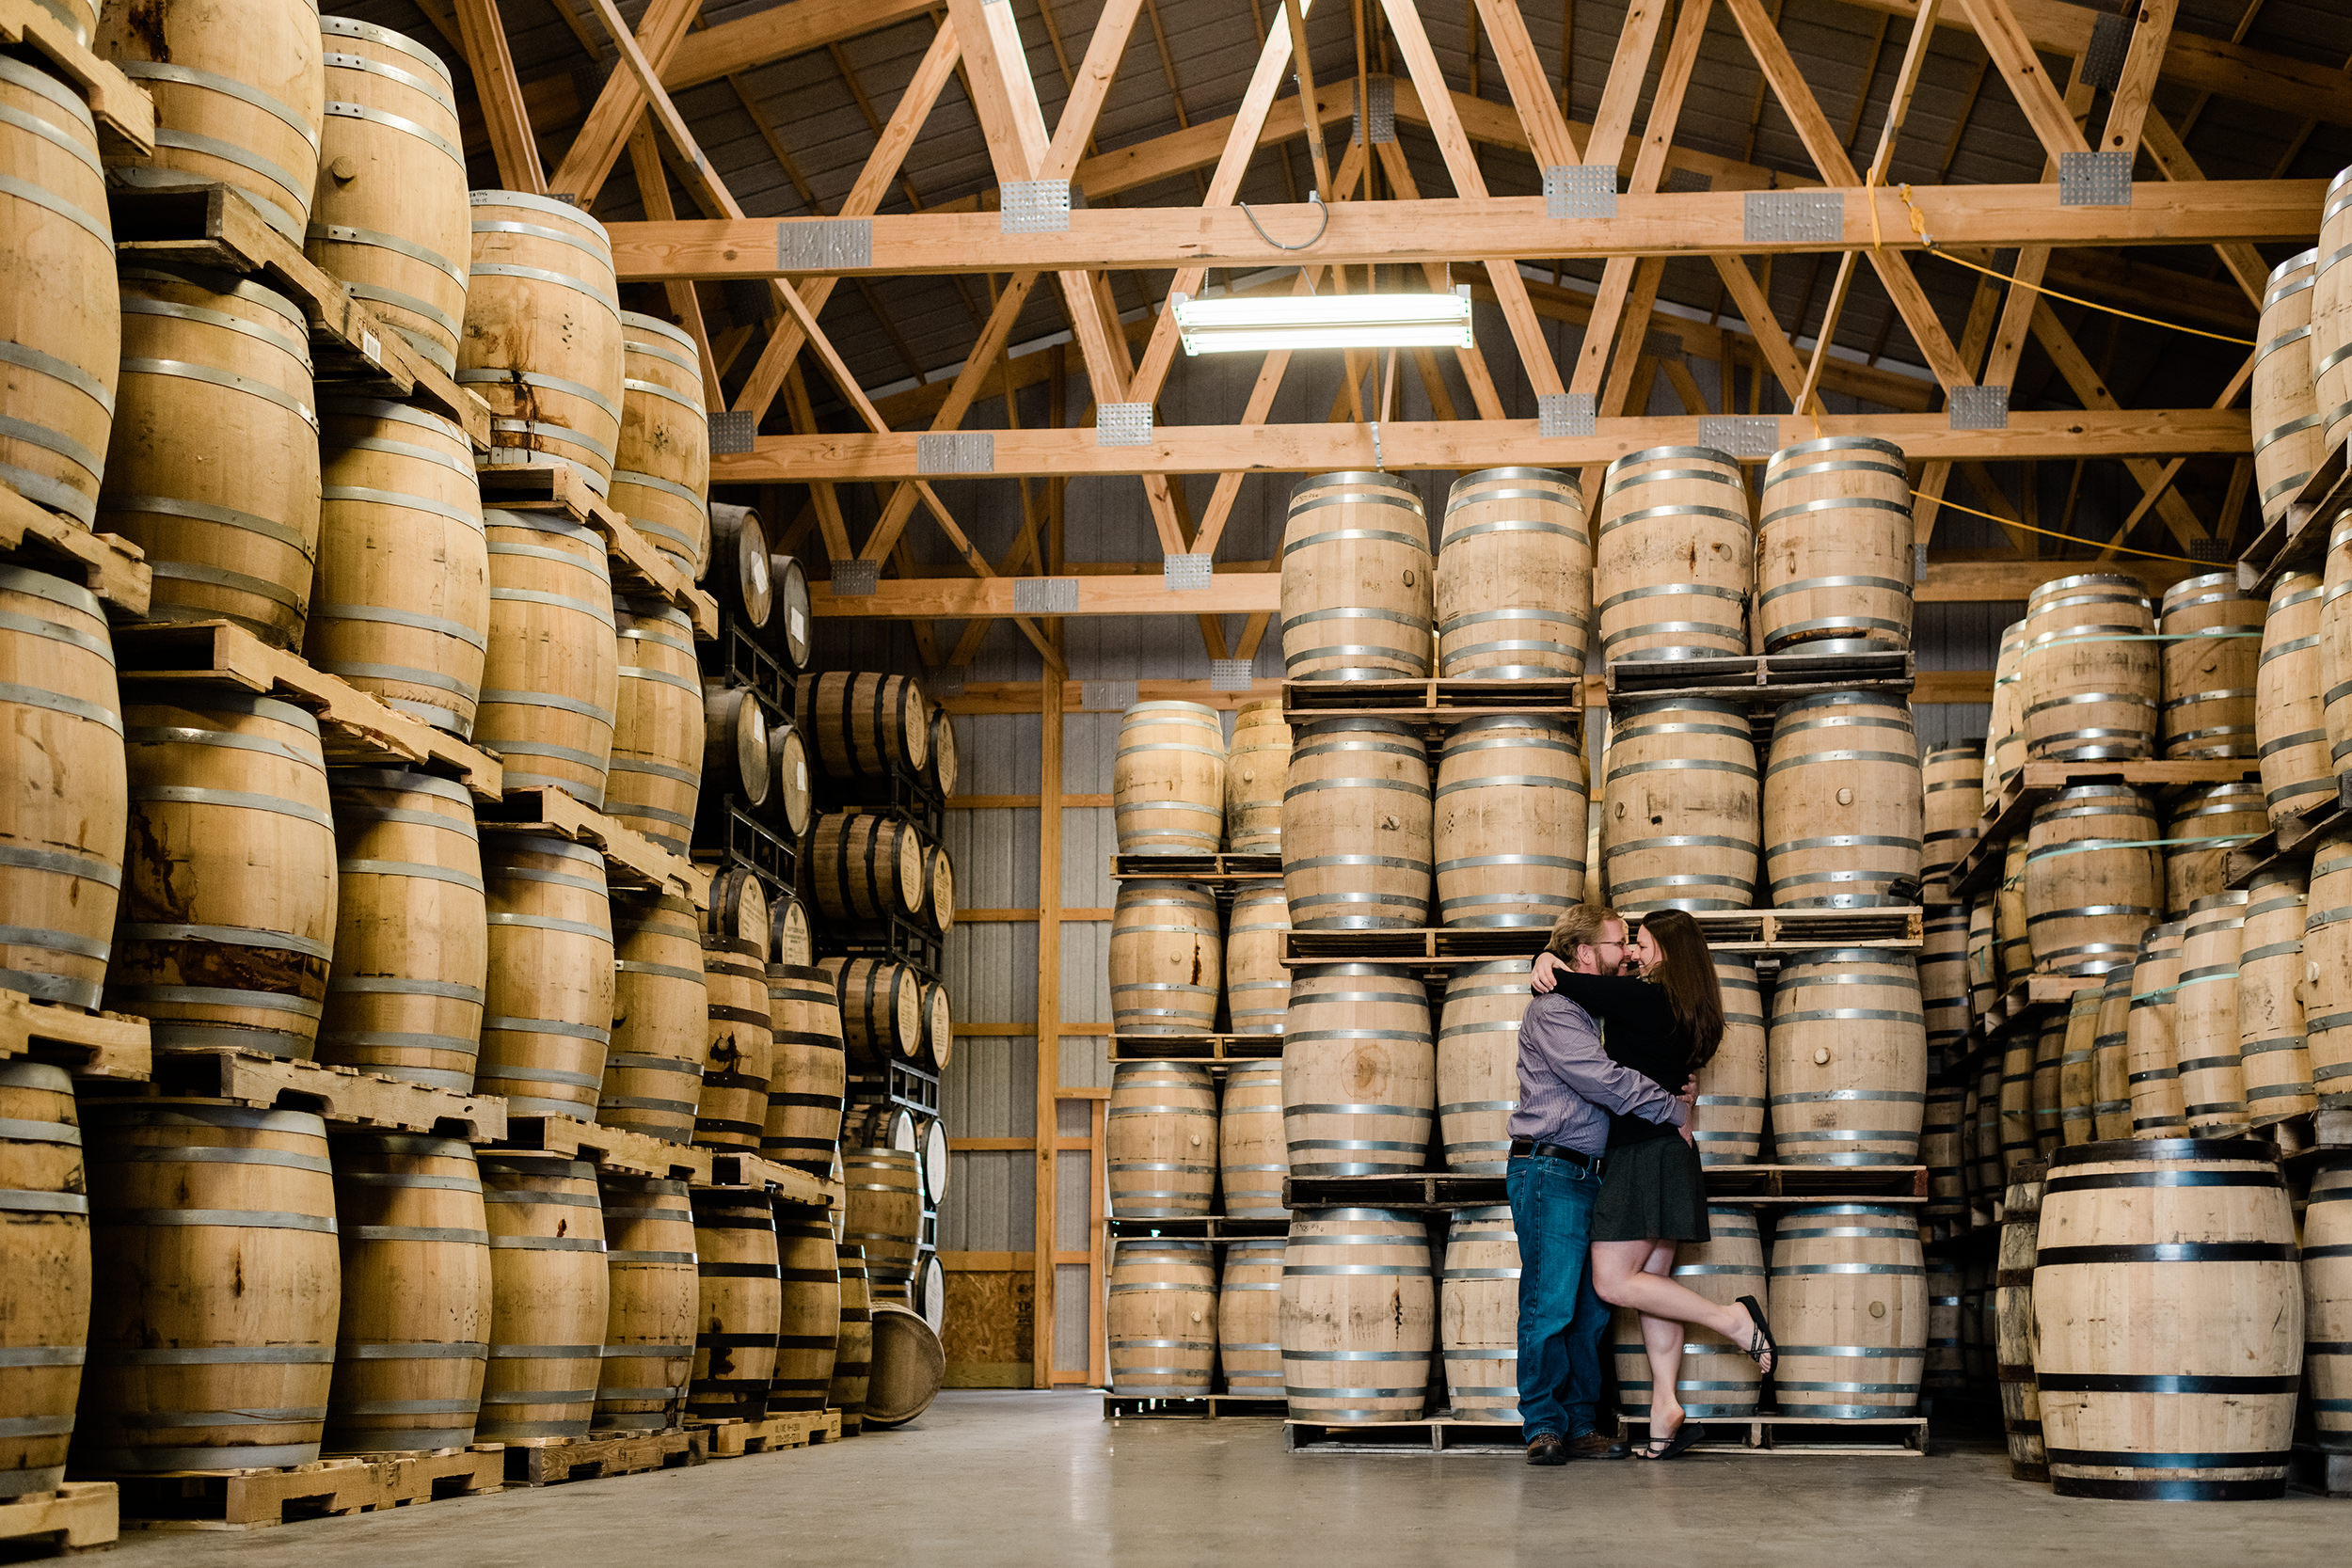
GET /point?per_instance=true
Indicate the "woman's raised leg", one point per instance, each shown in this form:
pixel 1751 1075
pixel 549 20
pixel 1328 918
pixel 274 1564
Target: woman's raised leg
pixel 1620 1277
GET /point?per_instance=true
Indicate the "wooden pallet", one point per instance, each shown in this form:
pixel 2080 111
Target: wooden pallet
pixel 2291 843
pixel 782 1183
pixel 77 1517
pixel 518 480
pixel 1762 1186
pixel 1758 680
pixel 1198 1228
pixel 2298 542
pixel 217 226
pixel 2010 813
pixel 107 564
pixel 346 1097
pixel 1439 1434
pixel 612 1148
pixel 1757 932
pixel 631 857
pixel 1799 1436
pixel 1434 704
pixel 732 1439
pixel 1230 870
pixel 354 727
pixel 553 1461
pixel 124 113
pixel 1212 1051
pixel 328 1488
pixel 2324 1468
pixel 88 1045
pixel 1196 1407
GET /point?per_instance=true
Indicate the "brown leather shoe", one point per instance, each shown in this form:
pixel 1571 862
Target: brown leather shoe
pixel 1597 1445
pixel 1546 1447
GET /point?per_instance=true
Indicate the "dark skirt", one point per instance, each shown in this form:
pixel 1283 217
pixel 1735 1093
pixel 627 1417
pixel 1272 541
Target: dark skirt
pixel 1652 1191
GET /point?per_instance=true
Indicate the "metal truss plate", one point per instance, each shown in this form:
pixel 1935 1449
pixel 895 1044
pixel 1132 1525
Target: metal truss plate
pixel 1793 218
pixel 1579 191
pixel 1122 424
pixel 1741 434
pixel 1045 595
pixel 2212 549
pixel 955 452
pixel 1184 573
pixel 2102 59
pixel 2095 179
pixel 1685 180
pixel 1383 96
pixel 1106 696
pixel 1662 345
pixel 946 680
pixel 1980 407
pixel 855 579
pixel 824 244
pixel 1561 414
pixel 1034 206
pixel 1231 675
pixel 731 430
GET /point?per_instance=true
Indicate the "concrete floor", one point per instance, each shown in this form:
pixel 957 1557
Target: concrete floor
pixel 1040 1480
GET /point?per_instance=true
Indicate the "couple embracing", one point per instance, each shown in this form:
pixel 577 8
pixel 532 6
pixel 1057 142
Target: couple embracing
pixel 1604 1180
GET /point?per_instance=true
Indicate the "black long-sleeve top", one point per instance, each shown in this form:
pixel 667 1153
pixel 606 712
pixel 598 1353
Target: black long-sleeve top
pixel 1642 1033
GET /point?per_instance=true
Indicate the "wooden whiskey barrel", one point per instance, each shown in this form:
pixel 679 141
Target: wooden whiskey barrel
pixel 810 1077
pixel 2093 883
pixel 552 1297
pixel 909 1366
pixel 2335 643
pixel 864 726
pixel 547 1022
pixel 2077 1071
pixel 1944 980
pixel 2092 676
pixel 658 728
pixel 65 804
pixel 1986 1183
pixel 740 567
pixel 2204 1016
pixel 866 868
pixel 1727 1121
pixel 2328 1298
pixel 1358 825
pixel 939 1025
pixel 1355 581
pixel 1252 1157
pixel 1257 987
pixel 739 1048
pixel 1477 1067
pixel 2331 317
pixel 649 1331
pixel 810 1325
pixel 2272 1058
pixel 1359 1312
pixel 884 1210
pixel 1679 809
pixel 2157 1108
pixel 401 605
pixel 789 941
pixel 1718 1378
pixel 1249 1317
pixel 238 103
pixel 2208 821
pixel 1842 803
pixel 2290 436
pixel 2017 1133
pixel 882 1009
pixel 853 1349
pixel 1161 1139
pixel 1161 1318
pixel 228 914
pixel 1359 1071
pixel 390 216
pixel 1952 780
pixel 733 742
pixel 947 765
pixel 1167 959
pixel 1257 766
pixel 1514 594
pixel 2326 989
pixel 214 1287
pixel 2290 716
pixel 2155 1380
pixel 1834 547
pixel 1940 1151
pixel 213 464
pixel 1167 780
pixel 2015 1335
pixel 1673 559
pixel 1478 1314
pixel 1847 1058
pixel 1984 964
pixel 543 338
pixel 62 318
pixel 789 792
pixel 414 1339
pixel 551 685
pixel 1848 1307
pixel 412 944
pixel 2011 921
pixel 45 1280
pixel 653 1067
pixel 2212 647
pixel 661 463
pixel 741 1311
pixel 2110 1059
pixel 1509 822
pixel 1946 1370
pixel 2004 743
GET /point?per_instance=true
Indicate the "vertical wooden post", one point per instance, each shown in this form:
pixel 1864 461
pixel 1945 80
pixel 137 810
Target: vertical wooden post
pixel 1097 1262
pixel 1048 1009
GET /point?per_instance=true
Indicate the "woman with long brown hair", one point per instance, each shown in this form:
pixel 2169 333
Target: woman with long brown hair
pixel 1664 1021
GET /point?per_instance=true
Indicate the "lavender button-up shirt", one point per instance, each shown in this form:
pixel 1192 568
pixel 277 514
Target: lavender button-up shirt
pixel 1569 1085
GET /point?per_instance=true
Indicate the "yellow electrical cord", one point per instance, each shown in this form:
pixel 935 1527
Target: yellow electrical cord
pixel 2070 538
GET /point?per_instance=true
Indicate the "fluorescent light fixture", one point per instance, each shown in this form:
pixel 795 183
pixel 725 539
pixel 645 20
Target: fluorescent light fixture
pixel 1231 325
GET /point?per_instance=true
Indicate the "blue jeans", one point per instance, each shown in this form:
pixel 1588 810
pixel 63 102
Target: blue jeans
pixel 1560 1320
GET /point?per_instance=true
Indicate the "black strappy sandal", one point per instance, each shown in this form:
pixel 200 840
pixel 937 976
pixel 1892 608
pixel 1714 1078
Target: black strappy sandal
pixel 1769 1346
pixel 1685 1437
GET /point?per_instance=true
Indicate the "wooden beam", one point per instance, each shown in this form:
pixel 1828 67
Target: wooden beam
pixel 511 145
pixel 1547 135
pixel 619 104
pixel 2152 34
pixel 2092 388
pixel 2013 55
pixel 653 188
pixel 1613 121
pixel 1048 1005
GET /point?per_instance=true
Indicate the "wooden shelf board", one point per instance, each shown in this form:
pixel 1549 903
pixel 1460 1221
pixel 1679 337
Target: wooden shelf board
pixel 87 1045
pixel 124 113
pixel 1432 702
pixel 615 1148
pixel 1759 679
pixel 782 1183
pixel 107 564
pixel 346 1097
pixel 1759 932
